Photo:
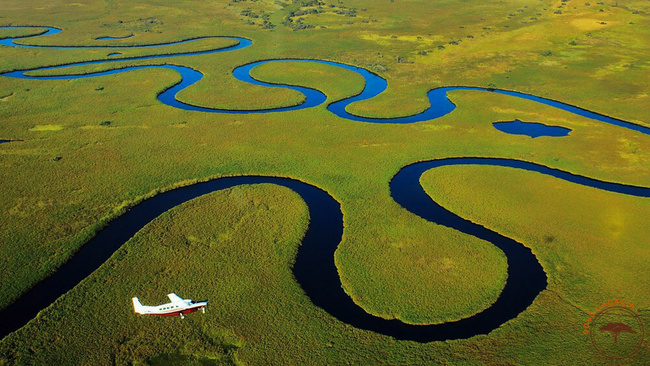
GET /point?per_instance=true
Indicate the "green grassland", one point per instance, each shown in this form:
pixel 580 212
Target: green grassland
pixel 591 243
pixel 603 249
pixel 73 172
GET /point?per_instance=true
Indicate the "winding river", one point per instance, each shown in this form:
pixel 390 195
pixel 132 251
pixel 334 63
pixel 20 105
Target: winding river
pixel 315 269
pixel 440 105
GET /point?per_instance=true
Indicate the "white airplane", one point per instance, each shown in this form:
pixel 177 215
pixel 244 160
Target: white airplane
pixel 177 306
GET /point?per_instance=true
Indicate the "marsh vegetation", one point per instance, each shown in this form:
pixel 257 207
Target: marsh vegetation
pixel 236 248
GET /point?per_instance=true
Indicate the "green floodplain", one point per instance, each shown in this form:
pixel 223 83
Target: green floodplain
pixel 87 149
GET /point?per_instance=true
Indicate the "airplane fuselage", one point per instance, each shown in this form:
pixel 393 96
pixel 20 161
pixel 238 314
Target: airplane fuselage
pixel 178 306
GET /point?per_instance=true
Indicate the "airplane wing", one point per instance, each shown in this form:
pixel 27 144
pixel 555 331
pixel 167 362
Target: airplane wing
pixel 174 298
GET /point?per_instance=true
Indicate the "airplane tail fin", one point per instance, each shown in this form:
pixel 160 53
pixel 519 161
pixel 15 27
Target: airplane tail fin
pixel 137 306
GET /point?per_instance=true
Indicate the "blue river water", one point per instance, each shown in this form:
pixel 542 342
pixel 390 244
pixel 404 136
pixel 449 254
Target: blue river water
pixel 439 103
pixel 532 129
pixel 48 31
pixel 315 269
